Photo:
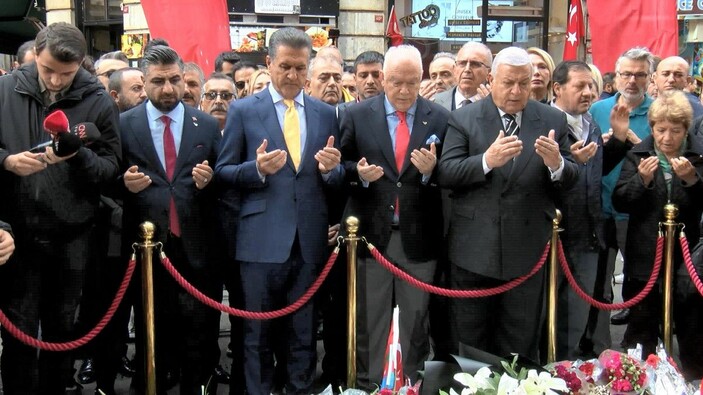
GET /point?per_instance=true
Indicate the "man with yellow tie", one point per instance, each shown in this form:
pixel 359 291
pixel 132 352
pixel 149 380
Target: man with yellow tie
pixel 279 151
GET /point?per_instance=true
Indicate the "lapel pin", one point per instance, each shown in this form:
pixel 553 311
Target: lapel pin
pixel 424 122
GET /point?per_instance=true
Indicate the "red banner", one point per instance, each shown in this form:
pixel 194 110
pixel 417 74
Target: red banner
pixel 574 31
pixel 198 30
pixel 617 26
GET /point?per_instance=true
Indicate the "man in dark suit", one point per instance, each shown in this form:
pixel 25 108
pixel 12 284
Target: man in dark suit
pixel 278 150
pixel 167 148
pixel 390 149
pixel 504 159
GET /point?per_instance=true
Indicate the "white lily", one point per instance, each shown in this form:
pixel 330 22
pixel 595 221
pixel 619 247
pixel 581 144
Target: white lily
pixel 543 383
pixel 508 385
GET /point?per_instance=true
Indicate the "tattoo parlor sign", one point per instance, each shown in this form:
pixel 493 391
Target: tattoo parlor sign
pixel 428 17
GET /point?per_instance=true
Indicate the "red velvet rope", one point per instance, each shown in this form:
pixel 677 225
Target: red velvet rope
pixel 689 264
pixel 614 306
pixel 252 315
pixel 71 345
pixel 454 293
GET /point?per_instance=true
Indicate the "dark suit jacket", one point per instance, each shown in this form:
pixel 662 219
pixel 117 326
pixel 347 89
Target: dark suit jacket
pixel 200 141
pixel 365 134
pixel 286 203
pixel 501 222
pixel 645 204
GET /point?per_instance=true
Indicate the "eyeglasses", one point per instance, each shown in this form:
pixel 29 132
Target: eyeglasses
pixel 472 64
pixel 638 76
pixel 226 96
pixel 240 84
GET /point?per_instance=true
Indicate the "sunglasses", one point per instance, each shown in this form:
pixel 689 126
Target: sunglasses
pixel 240 84
pixel 226 96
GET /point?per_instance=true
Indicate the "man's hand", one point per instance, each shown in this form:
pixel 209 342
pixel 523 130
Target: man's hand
pixel 332 233
pixel 135 181
pixel 583 154
pixel 684 170
pixel 425 160
pixel 503 150
pixel 25 163
pixel 620 121
pixel 202 175
pixel 367 172
pixel 646 169
pixel 51 158
pixel 483 90
pixel 429 91
pixel 7 246
pixel 269 162
pixel 328 157
pixel 548 149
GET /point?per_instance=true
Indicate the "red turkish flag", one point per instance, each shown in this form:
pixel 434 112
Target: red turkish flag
pixel 393 30
pixel 617 26
pixel 574 31
pixel 198 30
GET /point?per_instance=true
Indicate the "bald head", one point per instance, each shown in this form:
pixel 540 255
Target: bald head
pixel 671 74
pixel 105 67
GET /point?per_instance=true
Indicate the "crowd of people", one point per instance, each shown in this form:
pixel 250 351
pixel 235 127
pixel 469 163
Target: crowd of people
pixel 248 173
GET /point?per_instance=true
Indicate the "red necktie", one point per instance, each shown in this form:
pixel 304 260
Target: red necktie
pixel 402 138
pixel 170 159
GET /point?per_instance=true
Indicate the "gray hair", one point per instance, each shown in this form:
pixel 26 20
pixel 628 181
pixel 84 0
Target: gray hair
pixel 289 37
pixel 190 66
pixel 481 47
pixel 323 59
pixel 402 52
pixel 512 56
pixel 640 54
pixel 221 76
pixel 440 55
pixel 161 55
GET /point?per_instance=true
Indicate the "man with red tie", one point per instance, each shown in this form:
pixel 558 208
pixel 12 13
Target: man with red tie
pixel 390 145
pixel 168 149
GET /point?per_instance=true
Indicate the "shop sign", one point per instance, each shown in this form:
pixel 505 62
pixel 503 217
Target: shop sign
pixel 463 34
pixel 428 17
pixel 277 6
pixel 689 7
pixel 463 22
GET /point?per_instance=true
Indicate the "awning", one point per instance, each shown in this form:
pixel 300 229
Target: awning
pixel 20 20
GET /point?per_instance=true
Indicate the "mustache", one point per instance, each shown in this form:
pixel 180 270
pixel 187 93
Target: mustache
pixel 218 108
pixel 187 95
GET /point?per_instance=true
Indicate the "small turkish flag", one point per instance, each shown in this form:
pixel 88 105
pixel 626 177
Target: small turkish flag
pixel 393 30
pixel 574 31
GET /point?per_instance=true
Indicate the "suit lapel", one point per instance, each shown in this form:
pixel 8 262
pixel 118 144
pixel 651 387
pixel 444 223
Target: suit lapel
pixel 312 120
pixel 530 130
pixel 190 128
pixel 421 131
pixel 269 118
pixel 142 133
pixel 381 132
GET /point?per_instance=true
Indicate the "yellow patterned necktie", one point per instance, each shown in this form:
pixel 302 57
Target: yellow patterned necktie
pixel 291 132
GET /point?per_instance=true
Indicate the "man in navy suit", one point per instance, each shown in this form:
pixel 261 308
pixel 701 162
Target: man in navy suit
pixel 505 158
pixel 168 148
pixel 278 150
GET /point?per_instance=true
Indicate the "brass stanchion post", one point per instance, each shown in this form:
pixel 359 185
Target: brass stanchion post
pixel 670 213
pixel 352 224
pixel 552 292
pixel 147 248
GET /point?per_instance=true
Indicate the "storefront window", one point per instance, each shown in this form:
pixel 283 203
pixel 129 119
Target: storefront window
pixel 454 22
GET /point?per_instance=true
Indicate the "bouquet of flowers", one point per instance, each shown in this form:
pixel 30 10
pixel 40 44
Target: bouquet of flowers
pixel 510 382
pixel 623 373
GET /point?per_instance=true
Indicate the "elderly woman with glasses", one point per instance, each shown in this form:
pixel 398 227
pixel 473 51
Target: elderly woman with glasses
pixel 666 167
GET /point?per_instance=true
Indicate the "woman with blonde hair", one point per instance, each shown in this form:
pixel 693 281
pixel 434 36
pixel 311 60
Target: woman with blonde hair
pixel 258 81
pixel 543 67
pixel 665 167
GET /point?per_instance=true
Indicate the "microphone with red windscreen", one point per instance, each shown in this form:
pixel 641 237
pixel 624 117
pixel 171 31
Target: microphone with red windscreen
pixel 66 141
